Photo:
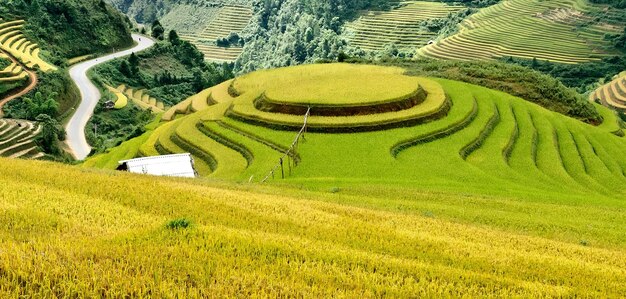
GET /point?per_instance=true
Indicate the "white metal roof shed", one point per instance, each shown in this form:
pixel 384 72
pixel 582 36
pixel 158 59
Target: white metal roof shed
pixel 179 165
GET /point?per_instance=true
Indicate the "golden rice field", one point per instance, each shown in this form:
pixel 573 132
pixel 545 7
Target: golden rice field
pixel 14 42
pixel 612 94
pixel 73 232
pixel 139 97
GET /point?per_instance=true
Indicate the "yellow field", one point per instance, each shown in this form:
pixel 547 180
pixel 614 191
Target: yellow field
pixel 121 99
pixel 341 84
pixel 69 232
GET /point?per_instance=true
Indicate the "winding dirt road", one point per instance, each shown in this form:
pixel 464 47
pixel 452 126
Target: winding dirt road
pixel 33 81
pixel 90 95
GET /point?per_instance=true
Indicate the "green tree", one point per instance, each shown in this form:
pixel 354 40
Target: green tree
pixel 158 31
pixel 51 133
pixel 125 68
pixel 173 37
pixel 133 62
pixel 42 105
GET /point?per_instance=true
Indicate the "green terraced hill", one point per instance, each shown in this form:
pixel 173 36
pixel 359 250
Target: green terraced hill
pixel 401 26
pixel 563 31
pixel 453 134
pixel 204 25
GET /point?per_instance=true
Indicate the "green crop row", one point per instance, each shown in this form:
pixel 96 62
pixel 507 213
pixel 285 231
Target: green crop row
pixel 476 143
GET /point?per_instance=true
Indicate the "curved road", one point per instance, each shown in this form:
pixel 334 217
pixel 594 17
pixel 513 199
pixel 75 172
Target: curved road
pixel 90 95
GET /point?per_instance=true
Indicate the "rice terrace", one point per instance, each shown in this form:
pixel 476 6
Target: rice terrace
pixel 316 149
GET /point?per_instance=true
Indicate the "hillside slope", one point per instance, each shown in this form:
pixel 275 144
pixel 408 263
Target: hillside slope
pixel 69 231
pixel 70 28
pixel 413 132
pixel 561 31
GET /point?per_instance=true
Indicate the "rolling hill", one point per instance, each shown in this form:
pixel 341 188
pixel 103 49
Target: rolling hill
pixel 428 131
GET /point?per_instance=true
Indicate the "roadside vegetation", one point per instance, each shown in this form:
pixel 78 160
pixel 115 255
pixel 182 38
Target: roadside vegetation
pixel 169 72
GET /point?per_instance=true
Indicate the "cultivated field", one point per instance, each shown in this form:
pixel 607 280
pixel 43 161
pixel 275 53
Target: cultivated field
pixel 450 133
pixel 68 232
pixel 14 42
pixel 139 97
pixel 226 20
pixel 562 31
pixel 17 139
pixel 401 26
pixel 12 75
pixel 491 196
pixel 612 94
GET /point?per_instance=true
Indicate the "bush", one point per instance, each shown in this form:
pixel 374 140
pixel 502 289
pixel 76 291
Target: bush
pixel 180 223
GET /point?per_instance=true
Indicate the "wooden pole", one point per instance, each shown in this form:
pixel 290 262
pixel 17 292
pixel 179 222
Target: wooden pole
pixel 282 169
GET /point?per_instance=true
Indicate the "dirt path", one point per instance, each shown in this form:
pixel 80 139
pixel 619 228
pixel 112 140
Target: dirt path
pixel 33 80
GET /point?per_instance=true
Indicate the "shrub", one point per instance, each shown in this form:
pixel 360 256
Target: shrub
pixel 180 223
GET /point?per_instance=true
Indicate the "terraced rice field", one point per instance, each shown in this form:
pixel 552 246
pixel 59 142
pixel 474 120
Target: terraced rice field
pixel 456 133
pixel 495 197
pixel 554 30
pixel 229 19
pixel 121 100
pixel 400 26
pixel 612 94
pixel 12 73
pixel 139 97
pixel 17 139
pixel 14 42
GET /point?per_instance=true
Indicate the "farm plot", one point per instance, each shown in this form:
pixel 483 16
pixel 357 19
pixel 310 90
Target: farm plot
pixel 612 94
pixel 401 26
pixel 228 19
pixel 139 97
pixel 559 31
pixel 17 139
pixel 14 42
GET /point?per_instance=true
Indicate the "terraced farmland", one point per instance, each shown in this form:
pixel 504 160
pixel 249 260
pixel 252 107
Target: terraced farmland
pixel 444 132
pixel 448 191
pixel 229 19
pixel 14 42
pixel 11 76
pixel 612 94
pixel 554 30
pixel 400 26
pixel 17 139
pixel 139 97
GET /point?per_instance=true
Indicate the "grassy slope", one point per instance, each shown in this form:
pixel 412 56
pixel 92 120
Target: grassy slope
pixel 108 233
